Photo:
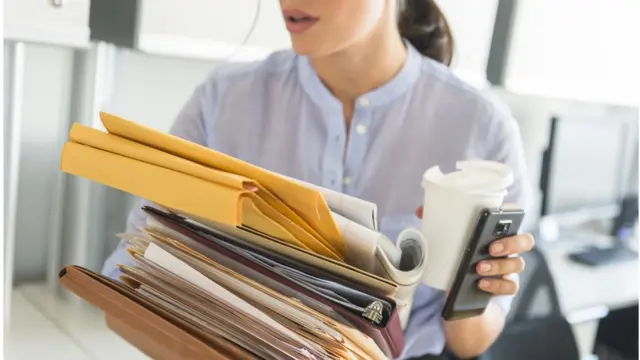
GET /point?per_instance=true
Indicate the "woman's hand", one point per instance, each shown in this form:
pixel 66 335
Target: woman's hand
pixel 502 268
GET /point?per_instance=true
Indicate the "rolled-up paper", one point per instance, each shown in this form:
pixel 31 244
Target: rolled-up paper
pixel 402 262
pixel 452 206
pixel 408 272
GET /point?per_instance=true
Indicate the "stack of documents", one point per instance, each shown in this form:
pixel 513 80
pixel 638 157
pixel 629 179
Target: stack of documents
pixel 238 262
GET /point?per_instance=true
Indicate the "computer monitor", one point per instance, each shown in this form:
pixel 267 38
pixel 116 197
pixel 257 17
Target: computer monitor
pixel 558 134
pixel 589 161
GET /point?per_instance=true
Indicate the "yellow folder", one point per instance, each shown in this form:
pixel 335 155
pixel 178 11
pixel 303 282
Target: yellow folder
pixel 290 226
pixel 177 182
pixel 307 203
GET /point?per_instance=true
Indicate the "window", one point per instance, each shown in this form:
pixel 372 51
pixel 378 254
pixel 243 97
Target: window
pixel 579 49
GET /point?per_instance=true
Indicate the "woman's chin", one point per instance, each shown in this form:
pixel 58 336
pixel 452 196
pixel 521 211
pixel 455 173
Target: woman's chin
pixel 303 48
pixel 310 49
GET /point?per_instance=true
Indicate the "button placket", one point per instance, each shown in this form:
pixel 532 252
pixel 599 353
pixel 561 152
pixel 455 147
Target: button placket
pixel 334 151
pixel 357 143
pixel 333 165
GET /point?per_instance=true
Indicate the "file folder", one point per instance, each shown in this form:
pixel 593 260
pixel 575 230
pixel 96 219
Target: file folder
pixel 307 203
pixel 237 262
pixel 204 191
pixel 373 315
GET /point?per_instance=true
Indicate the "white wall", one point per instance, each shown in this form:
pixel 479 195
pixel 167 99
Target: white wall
pixel 151 90
pixel 471 25
pixel 581 49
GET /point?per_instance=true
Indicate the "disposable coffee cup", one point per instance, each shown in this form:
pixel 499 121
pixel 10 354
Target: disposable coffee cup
pixel 451 208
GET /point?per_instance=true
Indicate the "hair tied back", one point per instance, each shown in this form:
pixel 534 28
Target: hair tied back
pixel 424 25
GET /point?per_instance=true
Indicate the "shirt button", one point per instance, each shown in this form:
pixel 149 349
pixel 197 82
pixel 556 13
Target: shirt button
pixel 364 102
pixel 347 180
pixel 361 129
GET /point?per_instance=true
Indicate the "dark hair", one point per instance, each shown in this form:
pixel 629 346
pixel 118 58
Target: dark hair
pixel 423 24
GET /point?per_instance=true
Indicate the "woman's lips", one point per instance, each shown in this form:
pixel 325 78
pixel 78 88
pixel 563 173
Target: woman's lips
pixel 298 21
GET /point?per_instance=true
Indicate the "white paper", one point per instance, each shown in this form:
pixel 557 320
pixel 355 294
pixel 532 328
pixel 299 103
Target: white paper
pixel 360 211
pixel 452 205
pixel 360 242
pixel 178 267
pixel 366 343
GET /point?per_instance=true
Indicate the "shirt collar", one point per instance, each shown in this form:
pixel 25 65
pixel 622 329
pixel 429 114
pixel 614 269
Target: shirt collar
pixel 386 93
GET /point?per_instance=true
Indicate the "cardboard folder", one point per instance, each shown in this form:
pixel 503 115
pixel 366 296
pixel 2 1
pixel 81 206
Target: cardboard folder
pixel 158 333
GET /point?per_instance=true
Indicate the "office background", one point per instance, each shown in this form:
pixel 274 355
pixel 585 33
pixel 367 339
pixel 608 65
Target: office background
pixel 64 61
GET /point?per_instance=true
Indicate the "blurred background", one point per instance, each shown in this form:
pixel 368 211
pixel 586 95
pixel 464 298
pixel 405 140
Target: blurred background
pixel 568 69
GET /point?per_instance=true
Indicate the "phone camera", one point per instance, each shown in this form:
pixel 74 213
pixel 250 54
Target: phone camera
pixel 502 228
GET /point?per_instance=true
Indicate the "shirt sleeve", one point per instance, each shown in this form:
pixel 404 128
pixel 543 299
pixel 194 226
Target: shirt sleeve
pixel 508 149
pixel 189 125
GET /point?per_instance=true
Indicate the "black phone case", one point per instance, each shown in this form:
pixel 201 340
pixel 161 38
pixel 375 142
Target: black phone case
pixel 466 299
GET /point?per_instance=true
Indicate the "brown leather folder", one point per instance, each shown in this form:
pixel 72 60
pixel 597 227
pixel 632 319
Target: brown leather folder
pixel 155 331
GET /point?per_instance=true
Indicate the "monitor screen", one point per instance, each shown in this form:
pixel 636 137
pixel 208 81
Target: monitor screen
pixel 590 162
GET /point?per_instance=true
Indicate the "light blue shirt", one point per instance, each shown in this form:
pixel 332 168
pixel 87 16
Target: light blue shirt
pixel 277 114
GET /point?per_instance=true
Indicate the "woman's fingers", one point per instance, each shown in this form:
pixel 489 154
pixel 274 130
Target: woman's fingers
pixel 500 267
pixel 503 286
pixel 512 245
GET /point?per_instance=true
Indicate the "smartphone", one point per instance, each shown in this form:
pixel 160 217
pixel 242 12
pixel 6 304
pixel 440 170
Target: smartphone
pixel 465 298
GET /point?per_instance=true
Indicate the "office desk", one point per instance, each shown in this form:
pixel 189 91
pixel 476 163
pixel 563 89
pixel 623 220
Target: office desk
pixel 586 292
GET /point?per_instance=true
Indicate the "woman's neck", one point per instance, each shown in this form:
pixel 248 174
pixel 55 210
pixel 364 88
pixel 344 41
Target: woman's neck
pixel 363 66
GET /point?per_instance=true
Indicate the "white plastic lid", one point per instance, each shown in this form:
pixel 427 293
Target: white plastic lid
pixel 475 176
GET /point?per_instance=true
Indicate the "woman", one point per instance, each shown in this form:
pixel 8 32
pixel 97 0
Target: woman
pixel 364 106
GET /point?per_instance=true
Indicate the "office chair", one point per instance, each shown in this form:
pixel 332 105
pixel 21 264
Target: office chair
pixel 536 328
pixel 618 334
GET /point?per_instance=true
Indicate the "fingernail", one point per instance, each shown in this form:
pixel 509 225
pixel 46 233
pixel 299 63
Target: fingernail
pixel 497 248
pixel 484 284
pixel 485 267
